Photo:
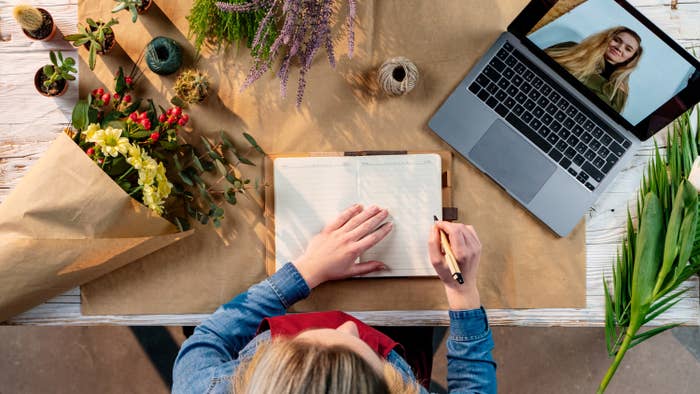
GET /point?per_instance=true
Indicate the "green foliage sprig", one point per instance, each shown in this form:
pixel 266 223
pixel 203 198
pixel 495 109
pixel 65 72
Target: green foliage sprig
pixel 59 69
pixel 218 29
pixel 661 253
pixel 94 34
pixel 158 134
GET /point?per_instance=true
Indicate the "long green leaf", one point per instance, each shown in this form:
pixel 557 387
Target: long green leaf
pixel 648 252
pixel 639 338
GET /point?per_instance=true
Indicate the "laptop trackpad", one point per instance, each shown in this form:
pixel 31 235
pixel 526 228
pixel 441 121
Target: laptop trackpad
pixel 512 161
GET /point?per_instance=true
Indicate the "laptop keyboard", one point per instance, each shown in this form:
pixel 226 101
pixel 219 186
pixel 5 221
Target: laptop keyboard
pixel 530 101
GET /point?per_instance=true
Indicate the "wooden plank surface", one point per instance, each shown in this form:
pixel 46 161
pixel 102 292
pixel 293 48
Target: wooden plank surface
pixel 29 122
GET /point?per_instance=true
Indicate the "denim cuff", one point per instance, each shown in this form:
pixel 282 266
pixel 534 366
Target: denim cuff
pixel 468 325
pixel 289 285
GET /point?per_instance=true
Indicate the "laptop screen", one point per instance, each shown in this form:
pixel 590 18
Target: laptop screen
pixel 617 58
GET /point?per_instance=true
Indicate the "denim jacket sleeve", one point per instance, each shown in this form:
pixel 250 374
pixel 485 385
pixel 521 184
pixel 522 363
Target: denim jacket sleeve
pixel 218 340
pixel 470 366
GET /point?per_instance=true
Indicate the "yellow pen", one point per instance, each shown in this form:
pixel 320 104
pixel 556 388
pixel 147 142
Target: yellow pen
pixel 449 255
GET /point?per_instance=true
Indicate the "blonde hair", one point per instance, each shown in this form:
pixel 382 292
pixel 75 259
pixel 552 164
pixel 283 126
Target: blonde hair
pixel 284 366
pixel 588 58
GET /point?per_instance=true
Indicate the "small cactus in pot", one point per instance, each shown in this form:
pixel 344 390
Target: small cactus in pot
pixel 36 23
pixel 192 86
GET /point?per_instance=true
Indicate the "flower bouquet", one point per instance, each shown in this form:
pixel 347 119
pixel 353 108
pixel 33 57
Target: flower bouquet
pixel 120 184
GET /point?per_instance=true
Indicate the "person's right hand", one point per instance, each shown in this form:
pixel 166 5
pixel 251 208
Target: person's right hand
pixel 467 250
pixel 331 254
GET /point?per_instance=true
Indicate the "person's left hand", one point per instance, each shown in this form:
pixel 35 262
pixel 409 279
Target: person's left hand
pixel 331 254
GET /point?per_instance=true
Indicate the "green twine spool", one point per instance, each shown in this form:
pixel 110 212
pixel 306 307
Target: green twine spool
pixel 163 55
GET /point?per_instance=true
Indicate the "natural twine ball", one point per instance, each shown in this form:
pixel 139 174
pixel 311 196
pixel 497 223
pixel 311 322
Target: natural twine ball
pixel 398 76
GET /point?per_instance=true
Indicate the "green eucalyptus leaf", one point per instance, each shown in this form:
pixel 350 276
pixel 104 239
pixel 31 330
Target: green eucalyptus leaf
pixel 227 142
pixel 253 143
pixel 230 196
pixel 185 178
pixel 244 160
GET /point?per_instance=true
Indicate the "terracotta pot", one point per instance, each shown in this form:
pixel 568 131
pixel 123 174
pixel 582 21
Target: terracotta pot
pixel 53 28
pixel 38 85
pixel 145 8
pixel 104 51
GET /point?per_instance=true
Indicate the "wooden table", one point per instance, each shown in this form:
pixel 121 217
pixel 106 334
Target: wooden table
pixel 29 123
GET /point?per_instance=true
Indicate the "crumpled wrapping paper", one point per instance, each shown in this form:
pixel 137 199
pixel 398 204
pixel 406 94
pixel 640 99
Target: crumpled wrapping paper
pixel 66 223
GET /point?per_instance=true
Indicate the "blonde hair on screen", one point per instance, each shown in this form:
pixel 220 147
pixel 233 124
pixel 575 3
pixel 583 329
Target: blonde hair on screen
pixel 588 58
pixel 284 366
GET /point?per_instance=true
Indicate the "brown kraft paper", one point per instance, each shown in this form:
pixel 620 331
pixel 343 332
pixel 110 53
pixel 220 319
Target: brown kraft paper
pixel 67 223
pixel 523 264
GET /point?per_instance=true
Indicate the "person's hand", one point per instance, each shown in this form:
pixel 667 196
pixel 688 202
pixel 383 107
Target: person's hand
pixel 467 250
pixel 331 254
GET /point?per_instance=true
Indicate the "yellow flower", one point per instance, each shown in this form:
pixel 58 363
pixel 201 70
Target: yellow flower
pixel 91 130
pixel 136 157
pixel 111 141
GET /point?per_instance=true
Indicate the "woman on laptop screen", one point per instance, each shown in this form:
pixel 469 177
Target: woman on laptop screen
pixel 603 62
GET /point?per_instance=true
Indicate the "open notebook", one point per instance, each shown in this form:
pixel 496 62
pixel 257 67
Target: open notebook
pixel 312 191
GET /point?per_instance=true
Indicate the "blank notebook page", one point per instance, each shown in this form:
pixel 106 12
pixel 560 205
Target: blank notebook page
pixel 312 191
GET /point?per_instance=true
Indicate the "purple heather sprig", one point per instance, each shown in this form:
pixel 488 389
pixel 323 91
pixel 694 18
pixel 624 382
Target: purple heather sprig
pixel 306 26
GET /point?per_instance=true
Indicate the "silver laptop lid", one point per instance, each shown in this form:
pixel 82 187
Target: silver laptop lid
pixel 612 54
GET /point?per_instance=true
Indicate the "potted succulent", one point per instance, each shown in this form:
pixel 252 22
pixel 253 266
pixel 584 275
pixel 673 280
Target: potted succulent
pixel 135 7
pixel 192 86
pixel 97 37
pixel 52 79
pixel 36 23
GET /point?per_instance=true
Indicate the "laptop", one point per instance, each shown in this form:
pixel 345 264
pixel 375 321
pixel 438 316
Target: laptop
pixel 558 105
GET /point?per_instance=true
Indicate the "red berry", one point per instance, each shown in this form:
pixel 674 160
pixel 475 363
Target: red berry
pixel 162 118
pixel 146 124
pixel 100 161
pixel 94 92
pixel 169 111
pixel 90 151
pixel 185 117
pixel 116 96
pixel 143 115
pixel 177 111
pixel 155 136
pixel 171 119
pixel 133 116
pixel 105 98
pixel 128 80
pixel 100 92
pixel 127 99
pixel 181 122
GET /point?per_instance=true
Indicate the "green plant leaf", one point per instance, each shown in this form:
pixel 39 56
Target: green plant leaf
pixel 649 251
pixel 230 196
pixel 178 102
pixel 120 82
pixel 92 56
pixel 227 142
pixel 253 143
pixel 185 178
pixel 639 338
pixel 79 117
pixel 52 57
pixel 244 160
